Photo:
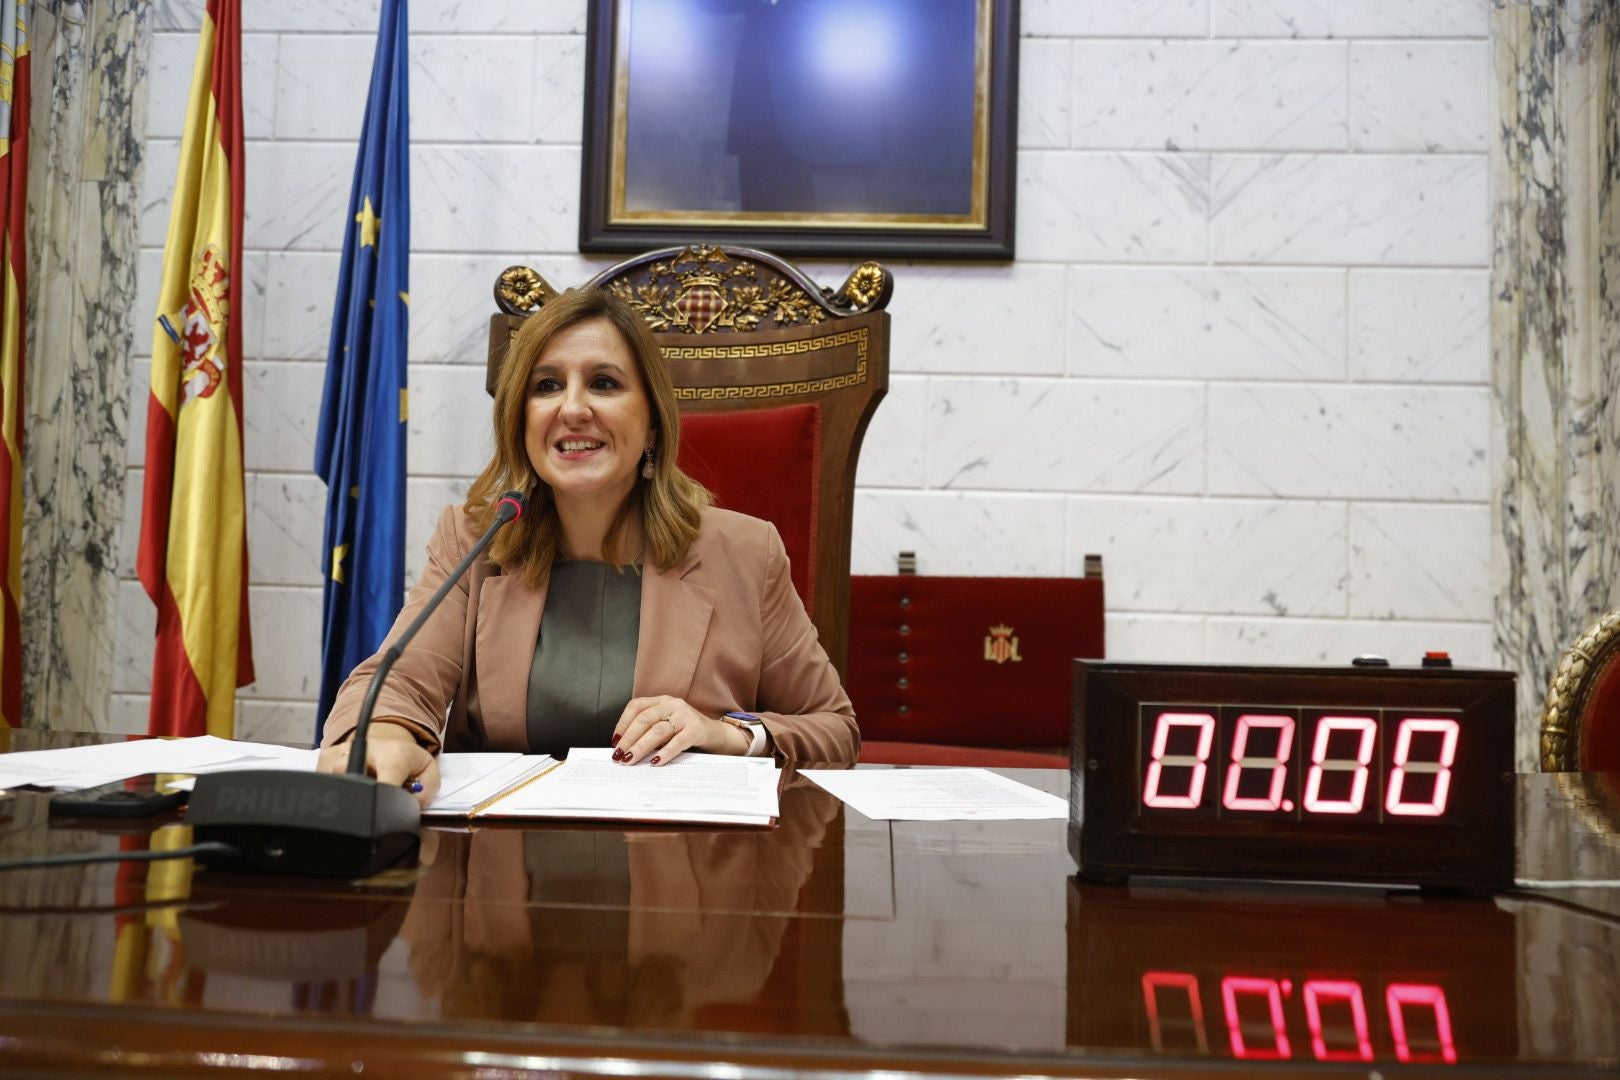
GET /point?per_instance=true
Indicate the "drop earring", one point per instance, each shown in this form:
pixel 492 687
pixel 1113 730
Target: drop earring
pixel 647 464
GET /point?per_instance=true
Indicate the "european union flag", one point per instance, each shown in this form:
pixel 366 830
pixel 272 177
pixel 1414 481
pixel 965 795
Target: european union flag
pixel 360 449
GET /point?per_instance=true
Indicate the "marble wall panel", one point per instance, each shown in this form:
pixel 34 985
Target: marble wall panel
pixel 450 433
pixel 452 298
pixel 301 288
pixel 1185 95
pixel 1428 326
pixel 985 534
pixel 1079 207
pixel 518 199
pixel 461 17
pixel 286 521
pixel 1152 639
pixel 297 195
pixel 1420 562
pixel 1555 332
pixel 425 498
pixel 91 65
pixel 174 56
pixel 288 722
pixel 321 86
pixel 1196 322
pixel 977 319
pixel 1043 93
pixel 1421 210
pixel 306 16
pixel 463 88
pixel 286 643
pixel 1349 442
pixel 559 90
pixel 894 453
pixel 1242 556
pixel 281 411
pixel 1414 95
pixel 1114 18
pixel 1229 640
pixel 1350 18
pixel 1051 435
pixel 137 629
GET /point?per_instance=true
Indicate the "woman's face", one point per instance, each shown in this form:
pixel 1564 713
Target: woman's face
pixel 588 419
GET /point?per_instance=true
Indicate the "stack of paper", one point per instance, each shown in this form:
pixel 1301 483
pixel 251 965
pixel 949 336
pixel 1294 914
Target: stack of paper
pixel 701 788
pixel 77 767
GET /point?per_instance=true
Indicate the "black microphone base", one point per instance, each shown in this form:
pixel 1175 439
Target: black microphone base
pixel 323 824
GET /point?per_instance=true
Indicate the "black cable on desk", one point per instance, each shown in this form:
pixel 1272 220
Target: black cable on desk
pixel 208 848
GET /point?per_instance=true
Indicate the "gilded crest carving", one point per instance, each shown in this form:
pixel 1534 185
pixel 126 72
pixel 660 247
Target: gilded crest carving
pixel 703 289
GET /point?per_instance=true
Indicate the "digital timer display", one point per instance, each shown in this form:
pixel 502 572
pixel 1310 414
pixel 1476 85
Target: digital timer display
pixel 1386 776
pixel 1367 765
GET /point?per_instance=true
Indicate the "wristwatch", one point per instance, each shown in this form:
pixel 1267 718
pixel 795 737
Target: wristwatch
pixel 755 728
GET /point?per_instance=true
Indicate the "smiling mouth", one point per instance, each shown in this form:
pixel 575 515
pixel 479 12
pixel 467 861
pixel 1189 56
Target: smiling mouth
pixel 574 446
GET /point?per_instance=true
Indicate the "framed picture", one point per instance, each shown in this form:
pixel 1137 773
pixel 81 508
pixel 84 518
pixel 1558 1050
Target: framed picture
pixel 851 128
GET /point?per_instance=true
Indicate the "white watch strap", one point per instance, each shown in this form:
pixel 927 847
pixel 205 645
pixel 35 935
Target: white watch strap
pixel 756 731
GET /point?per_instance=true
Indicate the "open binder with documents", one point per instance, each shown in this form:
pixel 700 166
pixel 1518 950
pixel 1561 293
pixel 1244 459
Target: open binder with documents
pixel 704 789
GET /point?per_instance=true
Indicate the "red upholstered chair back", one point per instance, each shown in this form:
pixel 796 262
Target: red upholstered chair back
pixel 1580 723
pixel 777 379
pixel 957 670
pixel 766 463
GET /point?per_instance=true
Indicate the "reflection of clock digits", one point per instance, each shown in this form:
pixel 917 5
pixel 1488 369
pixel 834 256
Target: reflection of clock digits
pixel 1332 774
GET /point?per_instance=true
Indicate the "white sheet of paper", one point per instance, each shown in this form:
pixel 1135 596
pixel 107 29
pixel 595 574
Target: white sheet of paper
pixel 950 794
pixel 468 780
pixel 75 767
pixel 693 787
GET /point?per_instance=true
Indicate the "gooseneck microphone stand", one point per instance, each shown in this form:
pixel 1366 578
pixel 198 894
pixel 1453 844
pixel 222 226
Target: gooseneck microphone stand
pixel 330 824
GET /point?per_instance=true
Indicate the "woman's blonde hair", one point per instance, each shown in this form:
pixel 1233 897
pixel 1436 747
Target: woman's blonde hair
pixel 671 503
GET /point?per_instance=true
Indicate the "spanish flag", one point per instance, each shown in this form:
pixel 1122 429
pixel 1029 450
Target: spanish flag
pixel 13 287
pixel 193 550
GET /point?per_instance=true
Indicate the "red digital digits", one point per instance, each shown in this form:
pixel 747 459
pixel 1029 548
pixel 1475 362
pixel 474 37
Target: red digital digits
pixel 1152 794
pixel 1418 782
pixel 1277 763
pixel 1335 1017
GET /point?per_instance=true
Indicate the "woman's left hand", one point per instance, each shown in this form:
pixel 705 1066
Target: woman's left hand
pixel 658 729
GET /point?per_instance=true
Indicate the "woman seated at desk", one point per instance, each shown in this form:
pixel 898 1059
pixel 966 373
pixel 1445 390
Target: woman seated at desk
pixel 620 608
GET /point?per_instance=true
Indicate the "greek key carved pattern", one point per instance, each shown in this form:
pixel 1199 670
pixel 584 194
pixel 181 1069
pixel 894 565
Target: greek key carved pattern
pixel 856 337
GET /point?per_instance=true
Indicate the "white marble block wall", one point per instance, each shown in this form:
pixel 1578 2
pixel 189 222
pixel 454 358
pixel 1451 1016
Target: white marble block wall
pixel 1242 353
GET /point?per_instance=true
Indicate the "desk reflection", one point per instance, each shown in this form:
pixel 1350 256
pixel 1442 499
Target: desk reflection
pixel 673 930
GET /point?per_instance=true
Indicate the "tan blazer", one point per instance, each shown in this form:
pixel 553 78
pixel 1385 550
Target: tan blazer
pixel 722 629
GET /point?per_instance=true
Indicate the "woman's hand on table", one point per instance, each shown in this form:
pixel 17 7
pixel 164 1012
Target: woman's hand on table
pixel 393 756
pixel 658 729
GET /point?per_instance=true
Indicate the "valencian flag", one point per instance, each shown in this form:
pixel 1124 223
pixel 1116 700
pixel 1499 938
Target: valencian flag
pixel 193 551
pixel 13 288
pixel 360 448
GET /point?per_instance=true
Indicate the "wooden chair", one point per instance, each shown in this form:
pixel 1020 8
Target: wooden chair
pixel 1580 722
pixel 777 379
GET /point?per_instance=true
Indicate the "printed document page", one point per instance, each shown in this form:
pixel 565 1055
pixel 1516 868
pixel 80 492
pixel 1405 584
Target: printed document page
pixel 711 788
pixel 467 781
pixel 949 794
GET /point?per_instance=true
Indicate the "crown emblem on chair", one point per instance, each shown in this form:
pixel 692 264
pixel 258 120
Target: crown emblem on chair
pixel 1001 646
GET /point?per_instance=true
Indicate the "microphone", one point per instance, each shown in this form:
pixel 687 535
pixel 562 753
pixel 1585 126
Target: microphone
pixel 327 824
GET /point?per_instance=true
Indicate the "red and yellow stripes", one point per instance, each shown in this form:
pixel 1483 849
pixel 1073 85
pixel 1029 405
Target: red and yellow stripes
pixel 14 107
pixel 193 547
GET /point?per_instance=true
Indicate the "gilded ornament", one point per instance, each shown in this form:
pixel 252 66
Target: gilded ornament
pixel 1595 649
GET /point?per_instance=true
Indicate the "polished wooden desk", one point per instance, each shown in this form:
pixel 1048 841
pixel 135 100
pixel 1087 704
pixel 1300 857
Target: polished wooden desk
pixel 831 945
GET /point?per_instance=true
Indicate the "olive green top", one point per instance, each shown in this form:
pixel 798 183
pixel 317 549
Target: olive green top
pixel 584 665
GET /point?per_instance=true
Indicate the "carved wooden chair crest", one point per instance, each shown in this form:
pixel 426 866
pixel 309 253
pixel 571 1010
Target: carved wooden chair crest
pixel 1580 722
pixel 777 379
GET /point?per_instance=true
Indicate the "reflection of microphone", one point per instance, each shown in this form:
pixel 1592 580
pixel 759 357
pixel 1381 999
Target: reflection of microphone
pixel 339 824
